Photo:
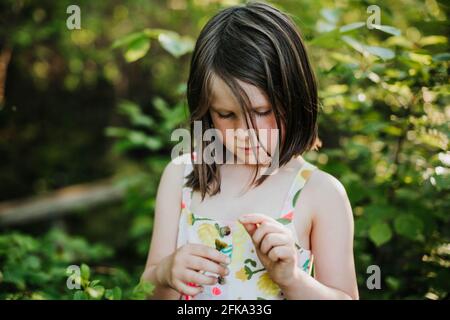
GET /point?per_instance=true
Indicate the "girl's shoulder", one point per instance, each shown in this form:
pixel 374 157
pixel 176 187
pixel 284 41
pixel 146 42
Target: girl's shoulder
pixel 325 182
pixel 323 192
pixel 175 171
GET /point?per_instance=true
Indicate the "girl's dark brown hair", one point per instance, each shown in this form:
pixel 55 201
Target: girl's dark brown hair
pixel 260 45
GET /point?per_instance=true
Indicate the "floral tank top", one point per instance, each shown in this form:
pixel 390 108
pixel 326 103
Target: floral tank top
pixel 248 279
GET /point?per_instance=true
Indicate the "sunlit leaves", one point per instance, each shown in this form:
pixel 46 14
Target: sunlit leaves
pixel 388 29
pixel 137 49
pixel 136 45
pixel 36 267
pixel 383 53
pixel 175 44
pixel 352 26
pixel 135 114
pixel 445 56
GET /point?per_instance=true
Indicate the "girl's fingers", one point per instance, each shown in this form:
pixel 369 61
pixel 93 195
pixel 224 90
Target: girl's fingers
pixel 255 218
pixel 198 278
pixel 280 253
pixel 265 228
pixel 209 253
pixel 273 240
pixel 200 263
pixel 183 288
pixel 250 228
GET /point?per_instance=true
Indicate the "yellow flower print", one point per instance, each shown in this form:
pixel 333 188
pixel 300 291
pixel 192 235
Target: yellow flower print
pixel 240 241
pixel 267 286
pixel 208 234
pixel 241 274
pixel 190 219
pixel 306 174
pixel 302 177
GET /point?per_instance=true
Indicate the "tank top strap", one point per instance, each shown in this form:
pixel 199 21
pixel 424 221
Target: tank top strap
pixel 299 182
pixel 186 191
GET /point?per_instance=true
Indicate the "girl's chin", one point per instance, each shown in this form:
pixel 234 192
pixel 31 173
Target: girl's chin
pixel 248 158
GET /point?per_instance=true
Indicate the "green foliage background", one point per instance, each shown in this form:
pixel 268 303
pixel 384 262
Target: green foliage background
pixel 103 101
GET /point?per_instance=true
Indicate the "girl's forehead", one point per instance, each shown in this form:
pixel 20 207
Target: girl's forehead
pixel 223 97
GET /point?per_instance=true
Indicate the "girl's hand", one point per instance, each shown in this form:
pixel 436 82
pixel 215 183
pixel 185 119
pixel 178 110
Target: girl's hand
pixel 185 266
pixel 275 247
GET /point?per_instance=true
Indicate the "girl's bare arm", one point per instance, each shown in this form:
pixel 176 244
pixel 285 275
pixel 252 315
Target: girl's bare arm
pixel 165 228
pixel 331 241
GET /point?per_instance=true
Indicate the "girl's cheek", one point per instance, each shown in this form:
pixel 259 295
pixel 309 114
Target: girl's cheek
pixel 269 133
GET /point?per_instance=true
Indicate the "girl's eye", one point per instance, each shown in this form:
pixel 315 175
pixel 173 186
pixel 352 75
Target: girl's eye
pixel 225 116
pixel 264 113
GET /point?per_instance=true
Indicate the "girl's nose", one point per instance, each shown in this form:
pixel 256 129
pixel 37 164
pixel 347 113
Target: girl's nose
pixel 242 134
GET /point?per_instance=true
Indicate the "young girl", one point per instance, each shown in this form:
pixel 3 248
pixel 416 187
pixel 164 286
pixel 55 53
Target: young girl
pixel 240 233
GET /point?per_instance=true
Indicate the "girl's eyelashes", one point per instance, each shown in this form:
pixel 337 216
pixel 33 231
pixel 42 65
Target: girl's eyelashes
pixel 231 114
pixel 264 113
pixel 225 115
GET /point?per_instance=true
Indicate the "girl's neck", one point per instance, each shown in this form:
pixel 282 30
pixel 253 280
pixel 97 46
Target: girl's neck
pixel 245 171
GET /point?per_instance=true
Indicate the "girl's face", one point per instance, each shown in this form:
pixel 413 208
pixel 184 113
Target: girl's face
pixel 230 120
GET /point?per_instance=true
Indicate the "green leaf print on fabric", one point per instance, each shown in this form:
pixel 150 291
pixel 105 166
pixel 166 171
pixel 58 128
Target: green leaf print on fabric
pixel 252 262
pixel 294 200
pixel 246 273
pixel 283 221
pixel 192 219
pixel 305 265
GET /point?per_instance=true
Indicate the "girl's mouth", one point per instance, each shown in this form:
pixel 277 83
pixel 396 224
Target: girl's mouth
pixel 249 149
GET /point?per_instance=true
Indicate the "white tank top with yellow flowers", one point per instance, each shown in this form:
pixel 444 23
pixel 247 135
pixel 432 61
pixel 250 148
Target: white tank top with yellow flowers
pixel 248 279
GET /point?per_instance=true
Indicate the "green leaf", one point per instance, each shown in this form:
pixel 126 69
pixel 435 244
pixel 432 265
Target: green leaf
pixel 378 213
pixel 383 53
pixel 85 272
pixel 393 283
pixel 134 139
pixel 94 283
pixel 328 39
pixel 331 15
pixel 352 26
pixel 80 295
pixel 432 40
pixel 176 45
pixel 137 49
pixel 143 290
pixel 113 294
pixel 408 226
pixel 445 56
pixel 95 292
pixel 387 29
pixel 380 233
pixel 127 40
pixel 135 114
